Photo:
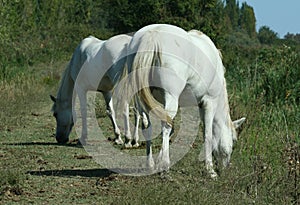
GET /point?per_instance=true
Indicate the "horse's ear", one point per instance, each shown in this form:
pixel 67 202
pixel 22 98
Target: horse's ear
pixel 53 98
pixel 239 122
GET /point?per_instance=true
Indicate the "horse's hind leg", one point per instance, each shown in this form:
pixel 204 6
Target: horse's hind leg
pixel 171 106
pixel 147 132
pixel 111 113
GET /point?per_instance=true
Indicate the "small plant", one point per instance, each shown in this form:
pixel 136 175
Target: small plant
pixel 11 183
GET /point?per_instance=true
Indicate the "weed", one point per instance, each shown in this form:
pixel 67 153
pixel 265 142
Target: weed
pixel 11 183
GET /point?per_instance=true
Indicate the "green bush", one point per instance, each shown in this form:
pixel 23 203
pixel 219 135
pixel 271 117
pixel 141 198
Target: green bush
pixel 271 73
pixel 279 71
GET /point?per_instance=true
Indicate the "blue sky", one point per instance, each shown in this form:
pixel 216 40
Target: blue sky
pixel 281 16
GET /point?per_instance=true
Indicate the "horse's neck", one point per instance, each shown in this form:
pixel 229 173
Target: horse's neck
pixel 65 91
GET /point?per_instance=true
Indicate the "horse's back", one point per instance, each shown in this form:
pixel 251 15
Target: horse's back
pixel 103 65
pixel 90 46
pixel 164 33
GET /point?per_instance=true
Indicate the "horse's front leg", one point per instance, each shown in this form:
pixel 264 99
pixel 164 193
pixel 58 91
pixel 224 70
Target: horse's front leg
pixel 112 115
pixel 208 115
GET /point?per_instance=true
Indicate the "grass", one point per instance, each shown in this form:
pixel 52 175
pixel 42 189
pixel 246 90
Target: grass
pixel 35 169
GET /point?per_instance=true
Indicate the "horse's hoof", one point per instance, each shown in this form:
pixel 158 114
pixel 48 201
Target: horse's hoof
pixel 162 167
pixel 213 175
pixel 119 141
pixel 162 162
pixel 211 172
pixel 150 165
pixel 128 145
pixel 136 145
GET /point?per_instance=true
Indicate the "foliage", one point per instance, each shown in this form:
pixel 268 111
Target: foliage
pixel 32 30
pixel 128 16
pixel 247 20
pixel 266 35
pixel 232 10
pixel 36 31
pixel 293 37
pixel 292 40
pixel 279 71
pixel 272 72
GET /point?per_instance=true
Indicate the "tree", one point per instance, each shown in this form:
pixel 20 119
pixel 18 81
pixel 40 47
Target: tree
pixel 292 37
pixel 247 21
pixel 184 14
pixel 266 35
pixel 128 15
pixel 232 11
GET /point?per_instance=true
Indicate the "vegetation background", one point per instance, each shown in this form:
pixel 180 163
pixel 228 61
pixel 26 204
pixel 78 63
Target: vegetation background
pixel 37 38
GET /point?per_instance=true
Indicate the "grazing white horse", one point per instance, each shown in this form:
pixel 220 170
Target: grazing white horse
pixel 93 59
pixel 168 57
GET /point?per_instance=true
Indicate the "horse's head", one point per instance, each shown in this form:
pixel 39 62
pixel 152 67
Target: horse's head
pixel 228 135
pixel 64 120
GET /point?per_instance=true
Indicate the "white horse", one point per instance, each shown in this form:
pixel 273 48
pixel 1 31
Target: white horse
pixel 93 59
pixel 168 57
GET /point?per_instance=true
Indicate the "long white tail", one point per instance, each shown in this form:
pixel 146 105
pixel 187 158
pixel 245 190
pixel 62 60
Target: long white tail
pixel 147 58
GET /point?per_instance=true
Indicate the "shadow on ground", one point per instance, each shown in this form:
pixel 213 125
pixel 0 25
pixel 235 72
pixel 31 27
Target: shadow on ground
pixel 43 144
pixel 73 172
